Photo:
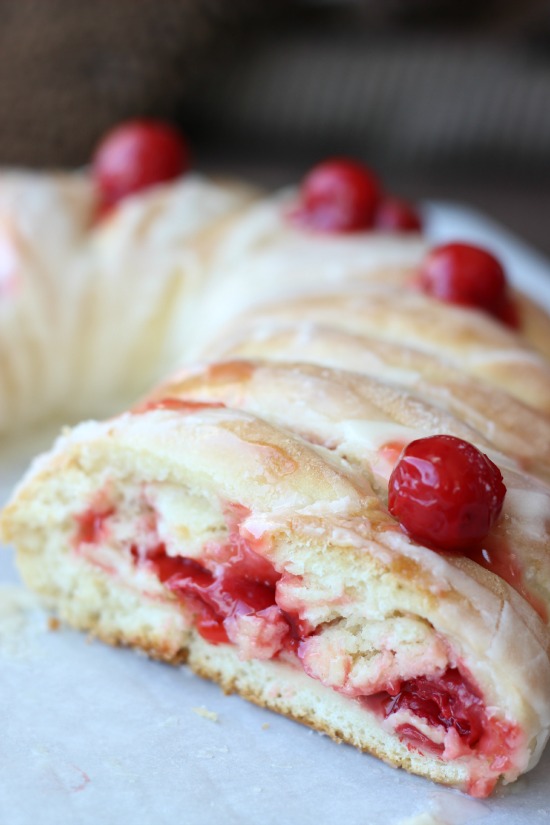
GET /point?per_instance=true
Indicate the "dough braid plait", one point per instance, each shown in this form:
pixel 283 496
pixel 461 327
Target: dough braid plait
pixel 94 294
pixel 342 513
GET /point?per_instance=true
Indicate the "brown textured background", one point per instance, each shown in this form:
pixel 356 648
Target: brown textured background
pixel 70 69
pixel 446 98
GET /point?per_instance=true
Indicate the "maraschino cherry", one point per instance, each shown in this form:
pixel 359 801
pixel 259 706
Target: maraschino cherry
pixel 396 215
pixel 469 276
pixel 446 493
pixel 338 195
pixel 135 155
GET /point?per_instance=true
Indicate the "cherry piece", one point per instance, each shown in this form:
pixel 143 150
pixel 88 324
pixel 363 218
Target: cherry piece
pixel 243 585
pixel 445 493
pixel 135 155
pixel 338 195
pixel 396 215
pixel 418 741
pixel 468 276
pixel 91 525
pixel 448 701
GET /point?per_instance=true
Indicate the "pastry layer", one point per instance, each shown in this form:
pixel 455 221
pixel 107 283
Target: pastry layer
pixel 465 340
pixel 510 425
pixel 287 581
pixel 366 423
pixel 92 311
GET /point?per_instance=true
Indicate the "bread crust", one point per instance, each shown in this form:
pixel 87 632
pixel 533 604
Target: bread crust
pixel 465 340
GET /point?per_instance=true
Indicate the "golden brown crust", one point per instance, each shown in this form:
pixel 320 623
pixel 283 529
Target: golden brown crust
pixel 508 423
pixel 467 340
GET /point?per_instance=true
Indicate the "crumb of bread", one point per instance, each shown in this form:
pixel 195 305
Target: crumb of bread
pixel 266 726
pixel 53 623
pixel 205 713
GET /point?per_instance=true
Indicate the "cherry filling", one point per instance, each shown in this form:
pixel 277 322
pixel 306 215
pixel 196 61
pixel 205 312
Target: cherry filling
pixel 91 525
pixel 448 701
pixel 343 195
pixel 243 585
pixel 232 583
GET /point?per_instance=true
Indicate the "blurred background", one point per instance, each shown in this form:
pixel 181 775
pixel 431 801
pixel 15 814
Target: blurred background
pixel 446 99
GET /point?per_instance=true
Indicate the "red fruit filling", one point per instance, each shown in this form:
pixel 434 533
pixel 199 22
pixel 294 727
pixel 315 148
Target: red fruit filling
pixel 448 701
pixel 91 525
pixel 396 215
pixel 235 581
pixel 468 276
pixel 417 740
pixel 387 457
pixel 243 585
pixel 135 155
pixel 446 493
pixel 176 404
pixel 338 195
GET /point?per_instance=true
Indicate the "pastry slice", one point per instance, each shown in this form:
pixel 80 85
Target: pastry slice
pixel 203 533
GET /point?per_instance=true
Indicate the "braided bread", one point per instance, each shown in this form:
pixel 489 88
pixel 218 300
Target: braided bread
pixel 92 310
pixel 241 517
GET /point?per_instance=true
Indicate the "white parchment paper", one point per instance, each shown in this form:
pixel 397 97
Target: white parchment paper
pixel 92 735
